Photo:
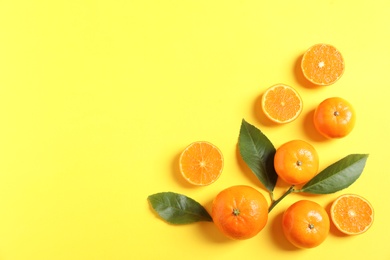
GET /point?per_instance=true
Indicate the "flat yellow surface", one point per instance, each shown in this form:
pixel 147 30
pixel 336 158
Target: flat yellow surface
pixel 98 99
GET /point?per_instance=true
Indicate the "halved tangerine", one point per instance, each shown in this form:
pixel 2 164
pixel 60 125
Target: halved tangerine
pixel 201 163
pixel 322 64
pixel 281 103
pixel 352 214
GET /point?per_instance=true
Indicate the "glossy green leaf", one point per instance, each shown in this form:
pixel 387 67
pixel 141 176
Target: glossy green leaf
pixel 258 153
pixel 337 176
pixel 177 208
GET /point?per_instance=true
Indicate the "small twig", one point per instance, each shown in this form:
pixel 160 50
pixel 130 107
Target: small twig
pixel 275 202
pixel 271 194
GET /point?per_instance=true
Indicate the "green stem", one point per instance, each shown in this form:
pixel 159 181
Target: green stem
pixel 275 202
pixel 272 196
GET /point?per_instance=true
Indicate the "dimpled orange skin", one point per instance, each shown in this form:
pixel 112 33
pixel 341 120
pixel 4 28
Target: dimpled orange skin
pixel 296 162
pixel 240 212
pixel 334 118
pixel 305 224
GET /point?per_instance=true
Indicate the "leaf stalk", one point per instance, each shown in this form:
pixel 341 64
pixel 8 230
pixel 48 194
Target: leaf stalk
pixel 275 202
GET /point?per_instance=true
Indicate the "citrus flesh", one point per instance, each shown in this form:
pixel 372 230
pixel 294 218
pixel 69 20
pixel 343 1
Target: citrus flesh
pixel 352 214
pixel 322 64
pixel 281 103
pixel 201 163
pixel 240 212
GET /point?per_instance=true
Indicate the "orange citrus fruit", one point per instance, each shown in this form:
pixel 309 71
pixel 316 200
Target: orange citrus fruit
pixel 322 64
pixel 296 162
pixel 352 214
pixel 281 103
pixel 201 163
pixel 240 212
pixel 305 224
pixel 334 117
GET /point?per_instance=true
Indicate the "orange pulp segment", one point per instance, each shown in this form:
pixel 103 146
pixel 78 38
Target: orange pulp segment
pixel 201 163
pixel 322 64
pixel 281 103
pixel 352 214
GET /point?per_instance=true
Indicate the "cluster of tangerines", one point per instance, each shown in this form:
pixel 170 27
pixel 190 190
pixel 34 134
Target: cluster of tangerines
pixel 241 212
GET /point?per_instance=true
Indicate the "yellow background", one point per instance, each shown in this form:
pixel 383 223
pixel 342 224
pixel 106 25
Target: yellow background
pixel 98 99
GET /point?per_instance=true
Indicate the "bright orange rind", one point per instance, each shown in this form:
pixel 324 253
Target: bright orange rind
pixel 296 162
pixel 240 212
pixel 334 117
pixel 305 224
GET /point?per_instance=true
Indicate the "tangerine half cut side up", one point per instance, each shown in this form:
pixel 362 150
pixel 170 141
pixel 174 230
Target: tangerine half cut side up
pixel 322 64
pixel 201 163
pixel 281 103
pixel 352 214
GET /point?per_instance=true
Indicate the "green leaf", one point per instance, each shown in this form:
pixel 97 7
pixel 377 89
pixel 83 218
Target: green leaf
pixel 177 208
pixel 337 176
pixel 258 153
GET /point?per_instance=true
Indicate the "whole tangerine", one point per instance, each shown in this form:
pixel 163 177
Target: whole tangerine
pixel 240 212
pixel 296 162
pixel 334 117
pixel 305 224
